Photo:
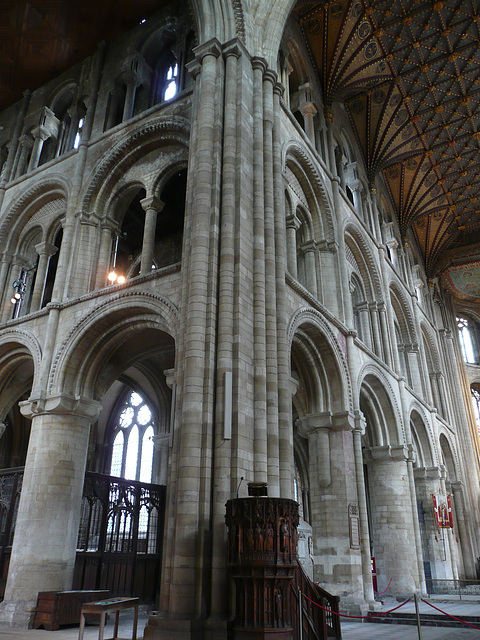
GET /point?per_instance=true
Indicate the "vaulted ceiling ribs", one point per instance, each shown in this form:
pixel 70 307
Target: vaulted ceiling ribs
pixel 408 73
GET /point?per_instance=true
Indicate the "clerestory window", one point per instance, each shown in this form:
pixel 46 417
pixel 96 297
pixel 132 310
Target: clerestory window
pixel 465 340
pixel 171 82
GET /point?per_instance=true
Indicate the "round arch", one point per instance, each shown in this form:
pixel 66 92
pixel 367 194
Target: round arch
pixel 379 404
pixel 125 330
pixel 299 161
pixel 422 439
pixel 322 363
pixel 47 194
pixel 158 132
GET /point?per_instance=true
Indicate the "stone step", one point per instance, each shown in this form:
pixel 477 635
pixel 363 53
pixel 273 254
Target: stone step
pixel 426 619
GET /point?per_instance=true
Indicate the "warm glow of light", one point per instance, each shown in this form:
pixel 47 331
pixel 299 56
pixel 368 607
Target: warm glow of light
pixel 13 300
pixel 112 276
pixel 121 279
pixel 17 296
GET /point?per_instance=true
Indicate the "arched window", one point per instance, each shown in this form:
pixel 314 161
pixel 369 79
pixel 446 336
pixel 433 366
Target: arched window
pixel 465 340
pixel 132 449
pixel 171 82
pixel 476 406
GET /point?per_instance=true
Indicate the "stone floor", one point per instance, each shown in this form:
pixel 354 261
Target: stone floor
pixel 351 630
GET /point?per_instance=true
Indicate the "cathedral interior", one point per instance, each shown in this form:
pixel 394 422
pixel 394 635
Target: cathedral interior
pixel 239 248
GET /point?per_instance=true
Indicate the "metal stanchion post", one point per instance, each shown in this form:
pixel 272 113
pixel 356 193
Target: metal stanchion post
pixel 417 613
pixel 300 615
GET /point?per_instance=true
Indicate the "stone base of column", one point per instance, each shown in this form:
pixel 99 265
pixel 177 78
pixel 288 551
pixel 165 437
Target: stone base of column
pixel 160 627
pixel 359 608
pixel 17 614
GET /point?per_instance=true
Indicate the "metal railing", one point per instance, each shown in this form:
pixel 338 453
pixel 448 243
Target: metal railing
pixel 317 624
pixel 460 587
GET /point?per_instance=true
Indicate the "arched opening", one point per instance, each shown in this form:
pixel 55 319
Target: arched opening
pixel 322 440
pixel 120 538
pixel 387 486
pixel 16 376
pixel 52 270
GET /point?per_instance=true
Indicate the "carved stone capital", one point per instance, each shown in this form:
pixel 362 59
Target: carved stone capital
pixel 152 202
pixel 46 249
pixel 61 404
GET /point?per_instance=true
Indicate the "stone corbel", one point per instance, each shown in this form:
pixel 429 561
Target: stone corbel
pixel 169 377
pixel 392 453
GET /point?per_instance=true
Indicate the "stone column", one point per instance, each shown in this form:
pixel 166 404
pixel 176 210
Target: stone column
pixel 309 111
pixel 49 504
pixel 376 330
pixel 40 134
pixel 4 269
pixel 283 346
pixel 428 481
pixel 104 256
pixel 391 514
pixel 362 508
pixel 45 251
pixel 357 188
pixel 26 143
pixel 131 81
pixel 293 225
pixel 183 586
pixel 152 206
pixel 461 517
pixel 364 317
pixel 385 341
pixel 161 448
pixel 333 493
pixel 309 248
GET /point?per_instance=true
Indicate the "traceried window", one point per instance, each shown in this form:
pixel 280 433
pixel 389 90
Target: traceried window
pixel 132 451
pixel 465 340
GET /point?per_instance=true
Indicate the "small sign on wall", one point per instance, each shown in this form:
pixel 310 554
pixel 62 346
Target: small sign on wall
pixel 354 526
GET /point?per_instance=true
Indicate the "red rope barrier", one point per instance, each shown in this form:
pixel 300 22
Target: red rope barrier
pixel 344 615
pixel 379 593
pixel 449 615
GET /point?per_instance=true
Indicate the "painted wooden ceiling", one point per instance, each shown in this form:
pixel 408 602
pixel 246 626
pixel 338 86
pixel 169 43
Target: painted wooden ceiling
pixel 408 73
pixel 41 38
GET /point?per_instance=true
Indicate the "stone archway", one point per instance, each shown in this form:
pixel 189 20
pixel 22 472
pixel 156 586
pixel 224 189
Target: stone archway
pixel 389 499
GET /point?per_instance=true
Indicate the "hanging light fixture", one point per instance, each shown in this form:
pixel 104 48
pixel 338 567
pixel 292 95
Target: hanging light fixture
pixel 113 277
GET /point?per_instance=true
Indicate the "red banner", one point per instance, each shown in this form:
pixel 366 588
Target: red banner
pixel 442 508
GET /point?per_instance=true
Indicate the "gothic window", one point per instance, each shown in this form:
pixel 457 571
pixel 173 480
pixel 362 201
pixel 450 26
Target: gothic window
pixel 476 406
pixel 78 135
pixel 132 449
pixel 171 82
pixel 466 342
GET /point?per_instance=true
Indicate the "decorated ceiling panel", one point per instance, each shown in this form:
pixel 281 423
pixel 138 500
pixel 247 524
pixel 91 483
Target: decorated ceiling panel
pixel 408 73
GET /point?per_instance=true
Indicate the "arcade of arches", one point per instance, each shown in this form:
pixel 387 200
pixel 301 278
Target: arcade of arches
pixel 207 274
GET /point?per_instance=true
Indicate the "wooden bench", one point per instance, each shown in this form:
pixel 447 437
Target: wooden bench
pixel 56 608
pixel 102 608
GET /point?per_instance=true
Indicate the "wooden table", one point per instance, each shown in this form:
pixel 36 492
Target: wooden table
pixel 112 605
